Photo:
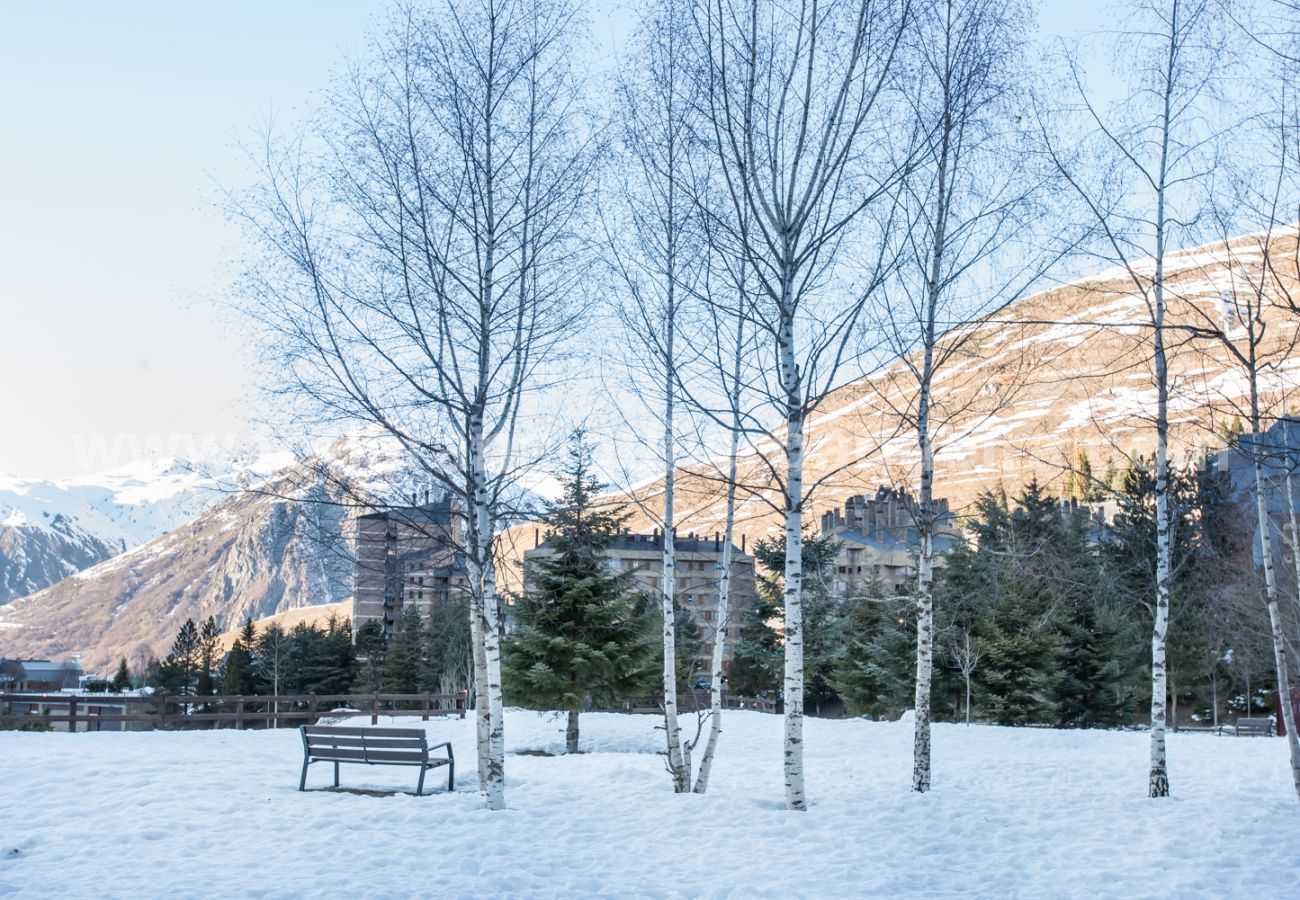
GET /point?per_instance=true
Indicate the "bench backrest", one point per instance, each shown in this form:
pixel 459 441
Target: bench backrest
pixel 368 745
pixel 1264 725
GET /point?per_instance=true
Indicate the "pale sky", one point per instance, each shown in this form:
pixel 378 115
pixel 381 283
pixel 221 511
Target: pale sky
pixel 120 122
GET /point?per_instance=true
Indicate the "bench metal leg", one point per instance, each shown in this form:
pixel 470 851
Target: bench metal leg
pixel 302 782
pixel 419 789
pixel 451 776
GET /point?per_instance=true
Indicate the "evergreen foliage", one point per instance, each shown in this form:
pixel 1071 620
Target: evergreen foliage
pixel 122 678
pixel 582 636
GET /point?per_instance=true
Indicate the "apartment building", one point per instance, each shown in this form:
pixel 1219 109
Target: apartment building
pixel 698 575
pixel 406 557
pixel 878 540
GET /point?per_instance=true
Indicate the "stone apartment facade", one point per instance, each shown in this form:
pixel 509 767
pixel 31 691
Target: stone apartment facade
pixel 698 562
pixel 878 540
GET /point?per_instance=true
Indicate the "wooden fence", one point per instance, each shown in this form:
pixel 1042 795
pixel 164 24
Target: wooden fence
pixel 697 703
pixel 251 711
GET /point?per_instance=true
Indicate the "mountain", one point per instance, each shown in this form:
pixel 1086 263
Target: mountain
pixel 274 546
pixel 1063 372
pixel 52 529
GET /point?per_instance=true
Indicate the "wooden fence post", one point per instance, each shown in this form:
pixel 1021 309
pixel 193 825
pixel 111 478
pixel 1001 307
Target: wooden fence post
pixel 239 713
pixel 72 714
pixel 162 712
pixel 311 707
pixel 374 709
pixel 426 706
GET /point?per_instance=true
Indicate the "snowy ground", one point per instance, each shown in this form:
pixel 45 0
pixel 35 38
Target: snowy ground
pixel 1014 812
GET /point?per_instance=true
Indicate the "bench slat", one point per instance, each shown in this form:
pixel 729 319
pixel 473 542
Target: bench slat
pixel 367 741
pixel 341 731
pixel 408 756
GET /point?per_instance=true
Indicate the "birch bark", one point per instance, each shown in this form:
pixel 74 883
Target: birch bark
pixel 792 687
pixel 724 580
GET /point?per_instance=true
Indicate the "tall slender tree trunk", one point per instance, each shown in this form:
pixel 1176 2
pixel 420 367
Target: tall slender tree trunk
pixel 724 579
pixel 793 631
pixel 1291 514
pixel 482 708
pixel 925 500
pixel 1158 780
pixel 489 618
pixel 924 609
pixel 1275 622
pixel 678 766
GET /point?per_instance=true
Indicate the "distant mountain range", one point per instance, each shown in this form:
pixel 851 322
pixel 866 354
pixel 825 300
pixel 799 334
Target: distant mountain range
pixel 1059 373
pixel 275 544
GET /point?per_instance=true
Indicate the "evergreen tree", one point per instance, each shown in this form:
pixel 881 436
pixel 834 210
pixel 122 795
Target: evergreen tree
pixel 122 678
pixel 757 665
pixel 582 636
pixel 178 672
pixel 449 655
pixel 237 670
pixel 876 675
pixel 371 649
pixel 207 653
pixel 405 657
pixel 329 665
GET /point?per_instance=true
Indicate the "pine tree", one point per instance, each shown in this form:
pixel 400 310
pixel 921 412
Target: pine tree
pixel 122 678
pixel 405 657
pixel 449 654
pixel 876 674
pixel 371 649
pixel 177 673
pixel 237 670
pixel 207 655
pixel 583 636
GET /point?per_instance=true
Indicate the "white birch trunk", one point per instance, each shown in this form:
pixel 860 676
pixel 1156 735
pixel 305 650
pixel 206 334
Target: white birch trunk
pixel 1275 619
pixel 724 589
pixel 924 612
pixel 1158 781
pixel 793 632
pixel 677 764
pixel 1291 513
pixel 490 634
pixel 482 709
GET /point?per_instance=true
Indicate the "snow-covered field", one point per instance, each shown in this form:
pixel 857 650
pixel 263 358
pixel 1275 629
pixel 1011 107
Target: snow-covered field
pixel 1013 813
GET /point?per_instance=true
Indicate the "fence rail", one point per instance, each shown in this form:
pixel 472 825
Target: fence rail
pixel 697 703
pixel 243 711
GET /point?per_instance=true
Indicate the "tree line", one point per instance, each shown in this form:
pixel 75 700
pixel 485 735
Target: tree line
pixel 1043 614
pixel 778 197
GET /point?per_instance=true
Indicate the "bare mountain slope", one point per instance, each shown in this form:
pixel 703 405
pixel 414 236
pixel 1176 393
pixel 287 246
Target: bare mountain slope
pixel 1062 370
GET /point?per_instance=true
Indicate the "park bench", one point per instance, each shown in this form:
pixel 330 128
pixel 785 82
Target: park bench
pixel 373 747
pixel 1254 726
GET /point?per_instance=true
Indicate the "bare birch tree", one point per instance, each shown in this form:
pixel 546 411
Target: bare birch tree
pixel 659 257
pixel 966 211
pixel 1141 180
pixel 967 654
pixel 418 266
pixel 799 105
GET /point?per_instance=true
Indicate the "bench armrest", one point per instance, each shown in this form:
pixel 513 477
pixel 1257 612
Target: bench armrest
pixel 446 744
